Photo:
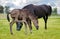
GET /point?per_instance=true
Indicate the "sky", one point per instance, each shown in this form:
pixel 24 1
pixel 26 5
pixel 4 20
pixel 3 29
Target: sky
pixel 22 3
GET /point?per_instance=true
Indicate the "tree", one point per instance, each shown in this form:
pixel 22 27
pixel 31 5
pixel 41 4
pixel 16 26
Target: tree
pixel 1 9
pixel 7 9
pixel 54 11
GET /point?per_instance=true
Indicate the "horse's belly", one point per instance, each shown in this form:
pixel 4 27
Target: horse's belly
pixel 40 16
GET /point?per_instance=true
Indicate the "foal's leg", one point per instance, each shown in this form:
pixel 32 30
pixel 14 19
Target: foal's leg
pixel 25 27
pixel 45 19
pixel 11 23
pixel 29 24
pixel 25 22
pixel 35 22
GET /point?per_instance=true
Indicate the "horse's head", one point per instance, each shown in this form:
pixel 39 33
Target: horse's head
pixel 19 26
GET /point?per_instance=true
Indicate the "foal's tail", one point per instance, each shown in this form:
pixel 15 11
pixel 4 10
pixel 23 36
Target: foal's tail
pixel 8 17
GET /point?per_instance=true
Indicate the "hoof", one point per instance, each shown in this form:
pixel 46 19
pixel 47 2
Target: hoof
pixel 45 28
pixel 11 33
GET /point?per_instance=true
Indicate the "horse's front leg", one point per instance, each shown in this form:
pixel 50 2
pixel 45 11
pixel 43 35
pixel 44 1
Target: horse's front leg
pixel 11 23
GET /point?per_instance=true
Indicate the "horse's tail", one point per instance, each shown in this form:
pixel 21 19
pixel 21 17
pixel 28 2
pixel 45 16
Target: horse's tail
pixel 50 10
pixel 8 17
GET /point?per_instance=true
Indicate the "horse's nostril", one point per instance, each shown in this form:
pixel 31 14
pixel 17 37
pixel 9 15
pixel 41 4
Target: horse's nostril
pixel 18 28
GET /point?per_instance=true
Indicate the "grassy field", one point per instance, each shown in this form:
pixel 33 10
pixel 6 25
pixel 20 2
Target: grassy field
pixel 53 31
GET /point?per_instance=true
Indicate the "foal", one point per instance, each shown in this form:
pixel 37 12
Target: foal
pixel 23 15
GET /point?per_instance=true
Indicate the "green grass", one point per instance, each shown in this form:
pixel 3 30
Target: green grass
pixel 53 31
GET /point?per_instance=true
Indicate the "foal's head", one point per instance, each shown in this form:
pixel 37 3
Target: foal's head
pixel 35 22
pixel 34 19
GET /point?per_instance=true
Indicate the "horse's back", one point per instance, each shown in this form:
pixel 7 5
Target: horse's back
pixel 47 9
pixel 40 10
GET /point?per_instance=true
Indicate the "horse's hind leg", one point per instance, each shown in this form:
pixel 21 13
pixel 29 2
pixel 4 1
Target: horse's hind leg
pixel 11 23
pixel 29 24
pixel 45 19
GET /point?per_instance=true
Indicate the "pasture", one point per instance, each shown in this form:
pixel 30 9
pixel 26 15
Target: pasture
pixel 52 32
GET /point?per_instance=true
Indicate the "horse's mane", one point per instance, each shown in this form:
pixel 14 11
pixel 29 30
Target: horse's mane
pixel 27 6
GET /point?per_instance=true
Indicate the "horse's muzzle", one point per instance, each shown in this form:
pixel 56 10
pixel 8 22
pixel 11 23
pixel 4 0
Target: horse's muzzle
pixel 19 26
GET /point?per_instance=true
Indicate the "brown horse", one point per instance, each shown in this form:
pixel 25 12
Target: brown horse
pixel 40 11
pixel 24 15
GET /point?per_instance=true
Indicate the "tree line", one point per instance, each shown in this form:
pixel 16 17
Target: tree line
pixel 54 11
pixel 2 9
